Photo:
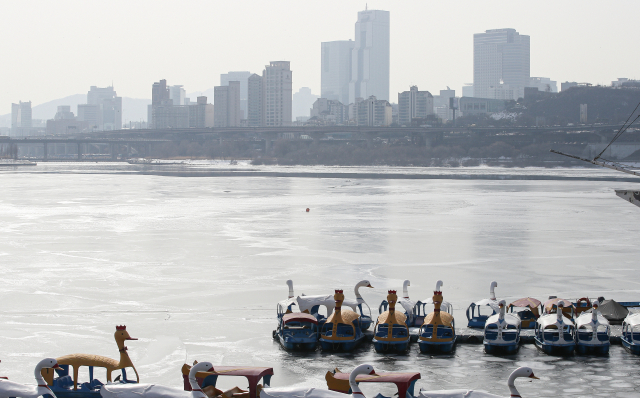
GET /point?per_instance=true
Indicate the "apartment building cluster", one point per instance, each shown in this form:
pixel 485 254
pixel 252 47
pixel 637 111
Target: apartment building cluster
pixel 241 99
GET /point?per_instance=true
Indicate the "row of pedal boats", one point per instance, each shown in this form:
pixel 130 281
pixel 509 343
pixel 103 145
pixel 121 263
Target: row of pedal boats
pixel 201 378
pixel 560 325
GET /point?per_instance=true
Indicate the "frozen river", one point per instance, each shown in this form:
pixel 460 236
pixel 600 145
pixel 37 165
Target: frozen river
pixel 194 266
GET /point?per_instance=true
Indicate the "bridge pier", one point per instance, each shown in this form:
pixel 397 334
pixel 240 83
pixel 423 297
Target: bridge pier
pixel 79 151
pixel 46 152
pixel 114 152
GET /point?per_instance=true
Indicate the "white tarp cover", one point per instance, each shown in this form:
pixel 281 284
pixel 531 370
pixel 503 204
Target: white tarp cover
pixel 510 319
pixel 308 302
pixel 455 394
pixel 445 306
pixel 586 317
pixel 407 304
pixel 300 392
pixel 552 319
pixel 142 390
pixel 633 319
pixel 491 303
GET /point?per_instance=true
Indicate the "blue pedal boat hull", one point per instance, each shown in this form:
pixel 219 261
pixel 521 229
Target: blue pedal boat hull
pixel 501 348
pixel 631 347
pixel 437 347
pixel 384 347
pixel 555 349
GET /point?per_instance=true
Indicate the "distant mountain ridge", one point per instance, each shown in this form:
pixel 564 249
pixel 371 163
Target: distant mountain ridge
pixel 133 109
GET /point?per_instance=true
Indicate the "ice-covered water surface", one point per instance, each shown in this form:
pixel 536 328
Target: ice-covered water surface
pixel 194 266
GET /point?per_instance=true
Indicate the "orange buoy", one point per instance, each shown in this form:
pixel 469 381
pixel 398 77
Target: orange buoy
pixel 307 209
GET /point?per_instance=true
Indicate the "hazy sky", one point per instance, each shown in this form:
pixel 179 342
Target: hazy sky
pixel 51 49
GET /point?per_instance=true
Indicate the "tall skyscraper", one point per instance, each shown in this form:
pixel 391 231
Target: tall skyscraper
pixel 21 121
pixel 501 64
pixel 255 100
pixel 243 78
pixel 370 56
pixel 277 84
pixel 336 70
pixel 226 105
pixel 414 104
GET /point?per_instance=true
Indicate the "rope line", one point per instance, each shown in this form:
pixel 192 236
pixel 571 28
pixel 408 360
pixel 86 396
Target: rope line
pixel 623 128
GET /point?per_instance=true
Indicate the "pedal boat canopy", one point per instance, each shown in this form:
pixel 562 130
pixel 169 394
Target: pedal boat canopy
pixel 299 317
pixel 404 381
pixel 631 329
pixel 252 373
pixel 551 307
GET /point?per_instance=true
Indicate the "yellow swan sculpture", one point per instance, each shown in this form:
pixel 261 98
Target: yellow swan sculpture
pixel 78 360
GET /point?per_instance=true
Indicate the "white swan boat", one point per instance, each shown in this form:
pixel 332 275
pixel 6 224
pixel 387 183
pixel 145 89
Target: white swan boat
pixel 555 333
pixel 477 320
pixel 310 392
pixel 631 333
pixel 502 332
pixel 10 388
pixel 465 393
pixel 140 390
pixel 592 332
pixel 312 304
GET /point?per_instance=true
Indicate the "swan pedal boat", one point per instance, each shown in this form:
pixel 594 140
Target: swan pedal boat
pixel 529 311
pixel 555 333
pixel 64 382
pixel 253 374
pixel 391 333
pixel 502 332
pixel 404 381
pixel 438 332
pixel 310 392
pixel 631 333
pixel 341 331
pixel 298 331
pixel 465 393
pixel 146 390
pixel 477 321
pixel 592 332
pixel 10 388
pixel 311 305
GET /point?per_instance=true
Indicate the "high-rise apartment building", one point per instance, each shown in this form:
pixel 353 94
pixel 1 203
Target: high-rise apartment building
pixel 255 101
pixel 501 64
pixel 226 105
pixel 201 114
pixel 370 56
pixel 414 104
pixel 21 121
pixel 336 70
pixel 160 93
pixel 277 88
pixel 243 78
pixel 372 112
pixel 103 110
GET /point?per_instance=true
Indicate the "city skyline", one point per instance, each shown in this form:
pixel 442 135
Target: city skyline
pixel 560 49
